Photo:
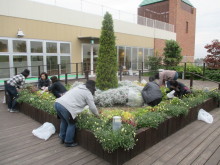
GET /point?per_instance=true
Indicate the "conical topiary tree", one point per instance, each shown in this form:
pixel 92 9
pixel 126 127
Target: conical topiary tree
pixel 106 71
pixel 172 53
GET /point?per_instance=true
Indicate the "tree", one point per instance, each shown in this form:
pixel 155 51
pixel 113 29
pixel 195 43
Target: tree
pixel 154 62
pixel 172 53
pixel 212 60
pixel 107 58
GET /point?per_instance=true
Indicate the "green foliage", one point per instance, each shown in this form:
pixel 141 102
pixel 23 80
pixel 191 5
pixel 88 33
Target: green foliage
pixel 164 91
pixel 43 101
pixel 102 129
pixel 172 53
pixel 131 120
pixel 214 94
pixel 107 58
pixel 213 74
pixel 112 140
pixel 68 86
pixel 197 97
pixel 154 62
pixel 150 119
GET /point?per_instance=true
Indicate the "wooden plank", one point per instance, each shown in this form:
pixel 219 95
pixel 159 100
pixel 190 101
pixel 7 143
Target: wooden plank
pixel 185 147
pixel 57 155
pixel 201 147
pixel 215 158
pixel 45 153
pixel 70 157
pixel 187 131
pixel 204 156
pixel 97 161
pixel 30 150
pixel 174 140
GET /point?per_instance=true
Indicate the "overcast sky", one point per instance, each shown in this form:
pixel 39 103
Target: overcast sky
pixel 207 25
pixel 207 19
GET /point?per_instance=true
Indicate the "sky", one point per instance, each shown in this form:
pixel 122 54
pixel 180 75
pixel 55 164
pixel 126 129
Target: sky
pixel 207 18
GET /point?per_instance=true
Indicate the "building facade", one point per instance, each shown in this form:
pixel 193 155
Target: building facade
pixel 59 36
pixel 179 13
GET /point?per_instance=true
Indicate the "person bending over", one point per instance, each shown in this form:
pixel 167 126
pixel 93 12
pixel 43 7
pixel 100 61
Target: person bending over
pixel 151 93
pixel 12 86
pixel 71 104
pixel 57 88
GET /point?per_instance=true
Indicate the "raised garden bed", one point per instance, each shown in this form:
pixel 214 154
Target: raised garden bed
pixel 147 137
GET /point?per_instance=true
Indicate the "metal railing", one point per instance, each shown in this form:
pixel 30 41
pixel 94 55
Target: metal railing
pixel 97 9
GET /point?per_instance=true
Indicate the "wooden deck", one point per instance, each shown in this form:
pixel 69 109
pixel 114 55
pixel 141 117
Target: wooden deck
pixel 197 143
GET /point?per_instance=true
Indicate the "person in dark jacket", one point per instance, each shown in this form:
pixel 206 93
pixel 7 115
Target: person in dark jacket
pixel 43 81
pixel 12 86
pixel 179 88
pixel 56 88
pixel 151 93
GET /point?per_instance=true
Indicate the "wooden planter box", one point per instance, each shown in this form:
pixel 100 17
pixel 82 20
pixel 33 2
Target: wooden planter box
pixel 147 137
pixel 39 115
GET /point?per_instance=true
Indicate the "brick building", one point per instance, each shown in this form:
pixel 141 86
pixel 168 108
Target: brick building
pixel 181 14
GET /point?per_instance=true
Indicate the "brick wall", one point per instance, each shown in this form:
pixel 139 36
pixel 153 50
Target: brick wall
pixel 186 39
pixel 159 45
pixel 179 14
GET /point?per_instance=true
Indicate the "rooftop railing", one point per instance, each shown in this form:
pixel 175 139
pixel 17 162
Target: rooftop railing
pixel 97 9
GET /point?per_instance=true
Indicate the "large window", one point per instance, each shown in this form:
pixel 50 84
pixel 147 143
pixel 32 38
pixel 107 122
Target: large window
pixel 36 47
pixel 128 58
pixel 65 64
pixel 32 53
pixel 19 46
pixel 140 58
pixel 3 45
pixel 36 61
pixel 51 47
pixel 52 67
pixel 20 62
pixel 134 59
pixel 64 48
pixel 121 56
pixel 146 59
pixel 4 63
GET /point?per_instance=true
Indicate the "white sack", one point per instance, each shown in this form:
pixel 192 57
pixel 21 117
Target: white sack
pixel 44 131
pixel 205 116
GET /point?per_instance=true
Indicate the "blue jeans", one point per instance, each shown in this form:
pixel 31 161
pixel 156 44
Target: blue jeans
pixel 13 95
pixel 67 126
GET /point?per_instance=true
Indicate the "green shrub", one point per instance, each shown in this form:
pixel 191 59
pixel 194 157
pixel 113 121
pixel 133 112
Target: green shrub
pixel 213 74
pixel 150 119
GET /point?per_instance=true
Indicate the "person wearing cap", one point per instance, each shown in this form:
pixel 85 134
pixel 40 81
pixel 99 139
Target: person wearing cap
pixel 166 76
pixel 70 105
pixel 12 86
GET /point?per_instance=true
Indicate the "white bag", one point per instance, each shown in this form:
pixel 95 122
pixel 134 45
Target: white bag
pixel 44 131
pixel 4 101
pixel 143 81
pixel 205 116
pixel 171 94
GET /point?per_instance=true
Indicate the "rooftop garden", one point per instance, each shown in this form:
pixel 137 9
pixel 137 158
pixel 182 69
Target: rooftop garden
pixel 125 101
